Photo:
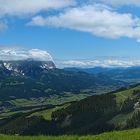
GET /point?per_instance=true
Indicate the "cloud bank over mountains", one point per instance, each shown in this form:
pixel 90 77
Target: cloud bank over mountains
pixel 102 62
pixel 21 54
pixel 14 54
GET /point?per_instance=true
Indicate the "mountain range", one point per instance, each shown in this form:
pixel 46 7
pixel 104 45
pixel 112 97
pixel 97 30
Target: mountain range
pixel 40 82
pixel 130 74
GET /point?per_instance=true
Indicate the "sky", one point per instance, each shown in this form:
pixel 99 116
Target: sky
pixel 72 33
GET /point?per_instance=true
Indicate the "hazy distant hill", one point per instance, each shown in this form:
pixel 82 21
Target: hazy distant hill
pixel 129 74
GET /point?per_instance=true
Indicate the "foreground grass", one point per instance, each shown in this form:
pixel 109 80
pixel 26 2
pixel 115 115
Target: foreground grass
pixel 120 135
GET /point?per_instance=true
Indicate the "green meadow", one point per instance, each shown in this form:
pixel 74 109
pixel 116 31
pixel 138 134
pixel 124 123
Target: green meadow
pixel 116 135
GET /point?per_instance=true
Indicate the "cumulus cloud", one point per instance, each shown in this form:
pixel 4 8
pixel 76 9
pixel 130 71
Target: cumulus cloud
pixel 19 54
pixel 102 63
pixel 25 7
pixel 96 19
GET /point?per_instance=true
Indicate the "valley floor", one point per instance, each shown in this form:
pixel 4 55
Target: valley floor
pixel 117 135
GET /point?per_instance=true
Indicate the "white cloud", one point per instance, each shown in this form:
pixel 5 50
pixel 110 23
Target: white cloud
pixel 39 54
pixel 122 2
pixel 102 63
pixel 19 54
pixel 23 8
pixel 26 7
pixel 96 19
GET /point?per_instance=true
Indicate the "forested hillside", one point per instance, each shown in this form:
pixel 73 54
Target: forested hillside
pixel 96 114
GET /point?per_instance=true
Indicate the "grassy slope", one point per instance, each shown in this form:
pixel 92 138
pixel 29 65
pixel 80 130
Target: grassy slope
pixel 46 114
pixel 122 95
pixel 117 120
pixel 55 99
pixel 120 120
pixel 117 135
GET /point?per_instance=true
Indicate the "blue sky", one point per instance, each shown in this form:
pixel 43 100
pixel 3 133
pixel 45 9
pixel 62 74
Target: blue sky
pixel 71 30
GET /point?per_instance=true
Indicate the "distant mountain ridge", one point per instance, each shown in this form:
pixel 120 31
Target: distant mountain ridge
pixel 130 74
